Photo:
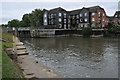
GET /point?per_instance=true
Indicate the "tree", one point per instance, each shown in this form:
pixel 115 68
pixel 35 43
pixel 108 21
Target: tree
pixel 14 23
pixel 112 27
pixel 25 21
pixel 36 18
pixel 3 25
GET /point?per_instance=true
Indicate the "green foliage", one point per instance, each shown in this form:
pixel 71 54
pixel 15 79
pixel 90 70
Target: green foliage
pixel 112 27
pixel 111 24
pixel 36 18
pixel 95 27
pixel 4 25
pixel 87 31
pixel 33 19
pixel 7 36
pixel 25 21
pixel 7 44
pixel 9 68
pixel 74 28
pixel 14 23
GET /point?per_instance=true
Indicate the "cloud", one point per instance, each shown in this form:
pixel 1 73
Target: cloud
pixel 59 0
pixel 15 10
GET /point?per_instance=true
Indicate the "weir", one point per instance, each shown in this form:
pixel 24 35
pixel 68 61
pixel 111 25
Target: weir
pixel 33 32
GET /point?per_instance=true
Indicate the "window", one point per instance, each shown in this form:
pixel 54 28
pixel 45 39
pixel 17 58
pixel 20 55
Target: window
pixel 80 15
pixel 45 15
pixel 103 25
pixel 103 14
pixel 77 16
pixel 103 20
pixel 64 26
pixel 93 24
pixel 60 25
pixel 52 21
pixel 93 19
pixel 85 14
pixel 45 20
pixel 85 25
pixel 98 12
pixel 73 17
pixel 77 21
pixel 51 15
pixel 81 20
pixel 85 19
pixel 64 15
pixel 93 14
pixel 115 15
pixel 81 25
pixel 60 19
pixel 64 20
pixel 49 22
pixel 60 14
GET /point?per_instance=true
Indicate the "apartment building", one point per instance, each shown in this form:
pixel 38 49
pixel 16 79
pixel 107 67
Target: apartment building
pixel 55 18
pixel 98 16
pixel 59 18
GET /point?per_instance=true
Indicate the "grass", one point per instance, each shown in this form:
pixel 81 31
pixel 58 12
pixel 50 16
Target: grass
pixel 0 61
pixel 9 68
pixel 7 36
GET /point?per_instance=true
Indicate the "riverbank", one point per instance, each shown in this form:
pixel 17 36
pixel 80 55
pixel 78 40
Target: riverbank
pixel 32 68
pixel 27 65
pixel 9 68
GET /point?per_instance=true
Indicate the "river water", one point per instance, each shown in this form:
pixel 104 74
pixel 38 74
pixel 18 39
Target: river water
pixel 76 57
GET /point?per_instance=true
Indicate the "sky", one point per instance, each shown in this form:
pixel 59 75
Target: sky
pixel 15 9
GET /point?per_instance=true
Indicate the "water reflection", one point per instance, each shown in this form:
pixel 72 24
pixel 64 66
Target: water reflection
pixel 77 57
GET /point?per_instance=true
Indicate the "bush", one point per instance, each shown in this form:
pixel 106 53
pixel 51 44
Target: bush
pixel 74 28
pixel 95 27
pixel 87 31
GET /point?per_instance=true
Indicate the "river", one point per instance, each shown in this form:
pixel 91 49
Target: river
pixel 76 57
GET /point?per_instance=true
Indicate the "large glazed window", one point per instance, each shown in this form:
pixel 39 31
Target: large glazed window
pixel 86 20
pixel 60 20
pixel 93 14
pixel 93 19
pixel 80 15
pixel 45 15
pixel 85 14
pixel 60 14
pixel 64 14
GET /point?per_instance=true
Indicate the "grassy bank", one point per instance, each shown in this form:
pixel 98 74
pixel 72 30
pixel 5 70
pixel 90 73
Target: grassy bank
pixel 9 68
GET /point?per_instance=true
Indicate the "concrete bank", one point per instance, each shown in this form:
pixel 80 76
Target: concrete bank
pixel 32 68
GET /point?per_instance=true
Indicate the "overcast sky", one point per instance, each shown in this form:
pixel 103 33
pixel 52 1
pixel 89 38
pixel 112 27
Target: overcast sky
pixel 15 10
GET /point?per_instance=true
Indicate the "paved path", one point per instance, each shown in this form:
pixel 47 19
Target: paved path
pixel 31 68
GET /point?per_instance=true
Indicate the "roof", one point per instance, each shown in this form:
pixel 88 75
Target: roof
pixel 73 12
pixel 117 12
pixel 94 8
pixel 56 10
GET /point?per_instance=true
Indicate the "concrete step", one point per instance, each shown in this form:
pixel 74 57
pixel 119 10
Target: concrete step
pixel 21 52
pixel 19 43
pixel 20 47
